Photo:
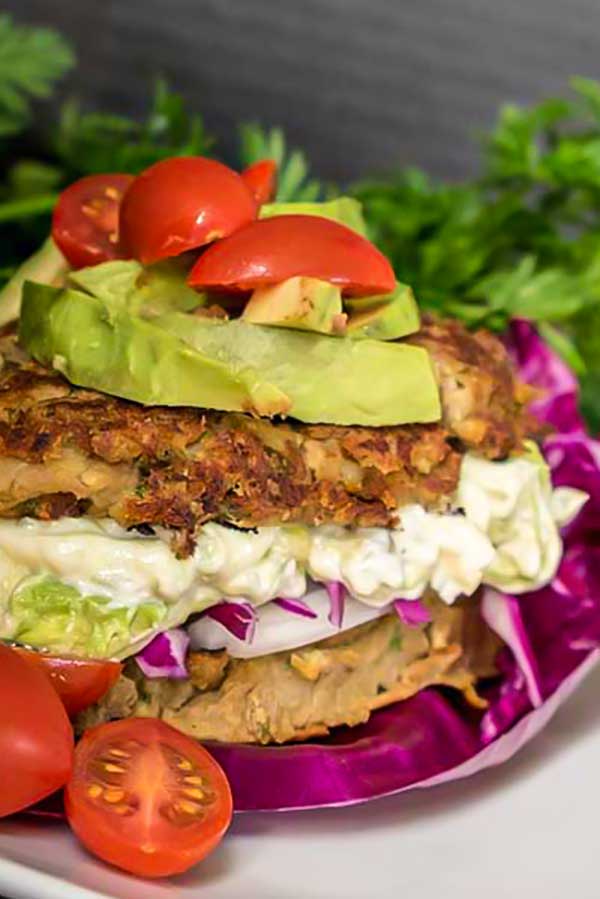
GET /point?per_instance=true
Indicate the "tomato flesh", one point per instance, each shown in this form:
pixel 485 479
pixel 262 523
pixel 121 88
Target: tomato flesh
pixel 261 179
pixel 272 250
pixel 36 739
pixel 85 223
pixel 146 798
pixel 180 204
pixel 79 682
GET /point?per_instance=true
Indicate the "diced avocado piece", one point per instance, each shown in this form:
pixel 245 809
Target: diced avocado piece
pixel 386 318
pixel 146 290
pixel 180 360
pixel 306 304
pixel 46 265
pixel 345 210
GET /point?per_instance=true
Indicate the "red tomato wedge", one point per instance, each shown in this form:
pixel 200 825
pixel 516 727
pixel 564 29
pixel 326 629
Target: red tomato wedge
pixel 261 180
pixel 79 682
pixel 36 739
pixel 146 798
pixel 183 203
pixel 85 224
pixel 272 250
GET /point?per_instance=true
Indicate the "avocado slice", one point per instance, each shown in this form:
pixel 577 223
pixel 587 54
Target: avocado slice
pixel 306 304
pixel 179 360
pixel 106 347
pixel 345 210
pixel 368 382
pixel 47 265
pixel 384 318
pixel 148 290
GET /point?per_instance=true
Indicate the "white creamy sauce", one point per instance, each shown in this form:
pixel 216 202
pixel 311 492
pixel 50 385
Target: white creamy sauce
pixel 502 531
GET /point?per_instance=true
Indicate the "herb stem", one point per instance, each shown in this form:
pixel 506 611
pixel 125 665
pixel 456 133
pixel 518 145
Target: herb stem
pixel 28 207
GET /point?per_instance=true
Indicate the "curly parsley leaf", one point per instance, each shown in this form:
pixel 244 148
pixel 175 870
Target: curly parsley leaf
pixel 91 142
pixel 521 240
pixel 32 60
pixel 294 181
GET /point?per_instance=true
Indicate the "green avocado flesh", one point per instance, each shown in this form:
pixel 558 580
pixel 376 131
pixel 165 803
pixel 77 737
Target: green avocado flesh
pixel 148 290
pixel 385 317
pixel 326 379
pixel 345 210
pixel 306 304
pixel 48 613
pixel 178 359
pixel 47 265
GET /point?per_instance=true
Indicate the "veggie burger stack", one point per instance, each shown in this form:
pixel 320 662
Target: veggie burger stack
pixel 234 458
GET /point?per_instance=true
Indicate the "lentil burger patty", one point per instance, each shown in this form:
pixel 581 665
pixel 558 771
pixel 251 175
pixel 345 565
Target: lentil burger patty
pixel 303 693
pixel 65 450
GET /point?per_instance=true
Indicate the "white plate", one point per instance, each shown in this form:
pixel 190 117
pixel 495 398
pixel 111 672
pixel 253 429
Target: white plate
pixel 526 830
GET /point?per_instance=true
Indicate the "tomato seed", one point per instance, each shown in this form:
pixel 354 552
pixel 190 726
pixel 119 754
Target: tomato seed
pixel 193 793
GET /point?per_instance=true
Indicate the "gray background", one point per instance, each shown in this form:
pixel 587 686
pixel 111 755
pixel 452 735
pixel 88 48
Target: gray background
pixel 363 85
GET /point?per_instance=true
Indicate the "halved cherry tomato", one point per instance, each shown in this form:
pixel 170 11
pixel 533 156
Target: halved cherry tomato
pixel 36 739
pixel 146 798
pixel 261 179
pixel 79 682
pixel 85 224
pixel 183 203
pixel 275 249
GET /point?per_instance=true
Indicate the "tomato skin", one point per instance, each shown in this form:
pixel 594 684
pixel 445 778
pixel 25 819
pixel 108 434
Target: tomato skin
pixel 180 204
pixel 272 250
pixel 261 179
pixel 79 682
pixel 164 808
pixel 36 739
pixel 85 223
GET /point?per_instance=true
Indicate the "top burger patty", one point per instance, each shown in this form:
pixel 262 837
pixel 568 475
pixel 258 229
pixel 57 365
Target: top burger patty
pixel 70 451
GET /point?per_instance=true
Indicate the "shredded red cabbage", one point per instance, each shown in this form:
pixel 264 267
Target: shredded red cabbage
pixel 295 606
pixel 540 366
pixel 165 655
pixel 337 601
pixel 503 614
pixel 412 612
pixel 239 618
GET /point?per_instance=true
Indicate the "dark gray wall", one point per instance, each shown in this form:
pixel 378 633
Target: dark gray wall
pixel 363 84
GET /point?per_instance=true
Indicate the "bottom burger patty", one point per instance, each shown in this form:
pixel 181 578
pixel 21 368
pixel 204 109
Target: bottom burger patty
pixel 303 693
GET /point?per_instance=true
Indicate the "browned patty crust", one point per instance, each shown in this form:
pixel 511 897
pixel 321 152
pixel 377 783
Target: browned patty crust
pixel 70 451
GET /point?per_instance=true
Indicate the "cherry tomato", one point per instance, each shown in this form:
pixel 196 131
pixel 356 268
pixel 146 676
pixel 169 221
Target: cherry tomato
pixel 146 798
pixel 36 739
pixel 85 224
pixel 261 180
pixel 79 682
pixel 183 203
pixel 272 250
